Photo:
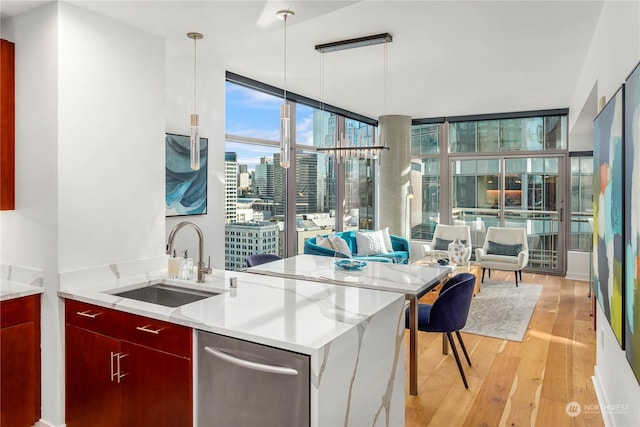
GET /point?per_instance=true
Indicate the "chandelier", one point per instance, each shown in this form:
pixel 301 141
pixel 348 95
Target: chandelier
pixel 353 142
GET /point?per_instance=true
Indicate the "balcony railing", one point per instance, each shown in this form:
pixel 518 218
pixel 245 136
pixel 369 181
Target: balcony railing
pixel 542 230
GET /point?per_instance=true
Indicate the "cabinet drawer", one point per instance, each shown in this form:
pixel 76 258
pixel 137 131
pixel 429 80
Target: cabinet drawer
pixel 18 310
pixel 91 317
pixel 156 334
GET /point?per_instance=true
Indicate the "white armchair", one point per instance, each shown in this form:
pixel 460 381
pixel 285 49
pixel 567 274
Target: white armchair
pixel 445 234
pixel 504 249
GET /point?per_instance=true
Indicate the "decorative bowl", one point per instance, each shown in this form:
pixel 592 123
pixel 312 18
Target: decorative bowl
pixel 350 264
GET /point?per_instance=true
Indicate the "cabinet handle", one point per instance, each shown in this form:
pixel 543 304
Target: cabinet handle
pixel 87 313
pixel 280 370
pixel 151 331
pixel 116 373
pixel 113 373
pixel 120 357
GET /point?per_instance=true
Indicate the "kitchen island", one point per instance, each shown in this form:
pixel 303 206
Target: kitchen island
pixel 354 338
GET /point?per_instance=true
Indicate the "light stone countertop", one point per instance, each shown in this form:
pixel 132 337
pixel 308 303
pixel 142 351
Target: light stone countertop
pixel 409 279
pixel 287 313
pixel 10 290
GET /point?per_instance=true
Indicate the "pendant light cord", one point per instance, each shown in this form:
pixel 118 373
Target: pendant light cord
pixel 386 71
pixel 322 81
pixel 195 79
pixel 285 57
pixel 322 115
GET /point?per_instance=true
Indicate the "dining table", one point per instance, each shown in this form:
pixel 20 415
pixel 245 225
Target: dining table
pixel 412 280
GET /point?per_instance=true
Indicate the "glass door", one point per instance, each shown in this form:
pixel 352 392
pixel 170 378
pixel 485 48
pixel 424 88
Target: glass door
pixel 524 192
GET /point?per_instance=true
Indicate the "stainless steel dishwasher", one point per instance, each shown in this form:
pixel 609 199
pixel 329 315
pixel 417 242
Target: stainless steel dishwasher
pixel 244 384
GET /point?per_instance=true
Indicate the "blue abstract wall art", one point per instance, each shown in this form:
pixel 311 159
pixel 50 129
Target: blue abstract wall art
pixel 632 220
pixel 186 189
pixel 608 212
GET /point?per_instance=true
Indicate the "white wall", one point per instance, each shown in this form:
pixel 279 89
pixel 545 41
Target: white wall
pixel 615 384
pixel 111 142
pixel 211 101
pixel 614 51
pixel 89 158
pixel 29 234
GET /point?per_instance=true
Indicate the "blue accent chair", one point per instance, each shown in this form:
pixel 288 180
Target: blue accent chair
pixel 257 259
pixel 449 313
pixel 400 254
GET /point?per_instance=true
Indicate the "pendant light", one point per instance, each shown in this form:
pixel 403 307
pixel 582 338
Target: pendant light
pixel 194 135
pixel 285 111
pixel 352 144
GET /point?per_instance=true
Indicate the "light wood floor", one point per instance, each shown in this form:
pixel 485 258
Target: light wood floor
pixel 512 383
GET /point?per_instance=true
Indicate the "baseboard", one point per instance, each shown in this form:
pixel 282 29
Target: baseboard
pixel 574 275
pixel 602 398
pixel 578 265
pixel 43 423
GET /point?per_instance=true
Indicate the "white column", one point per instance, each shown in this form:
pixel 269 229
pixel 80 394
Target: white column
pixel 395 168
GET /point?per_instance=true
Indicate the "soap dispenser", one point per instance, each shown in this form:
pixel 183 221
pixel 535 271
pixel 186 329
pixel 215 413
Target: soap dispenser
pixel 187 267
pixel 174 266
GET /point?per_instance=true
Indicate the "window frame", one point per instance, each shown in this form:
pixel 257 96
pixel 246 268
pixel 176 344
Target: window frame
pixel 290 232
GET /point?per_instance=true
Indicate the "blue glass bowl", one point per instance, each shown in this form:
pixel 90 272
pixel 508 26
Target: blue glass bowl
pixel 350 264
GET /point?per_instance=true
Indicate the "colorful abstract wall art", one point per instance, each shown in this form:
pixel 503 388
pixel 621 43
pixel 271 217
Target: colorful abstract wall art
pixel 632 219
pixel 186 189
pixel 608 211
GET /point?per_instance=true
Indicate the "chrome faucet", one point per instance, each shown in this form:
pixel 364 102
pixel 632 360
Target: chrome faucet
pixel 202 270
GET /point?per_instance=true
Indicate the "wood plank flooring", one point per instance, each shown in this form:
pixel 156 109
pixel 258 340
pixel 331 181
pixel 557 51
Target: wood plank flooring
pixel 512 383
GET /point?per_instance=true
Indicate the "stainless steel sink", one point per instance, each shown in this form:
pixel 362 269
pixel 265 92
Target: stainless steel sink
pixel 166 294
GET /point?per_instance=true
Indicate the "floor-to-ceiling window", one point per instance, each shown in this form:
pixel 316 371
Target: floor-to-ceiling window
pixel 505 170
pixel 425 180
pixel 498 170
pixel 513 178
pixel 476 188
pixel 581 236
pixel 316 195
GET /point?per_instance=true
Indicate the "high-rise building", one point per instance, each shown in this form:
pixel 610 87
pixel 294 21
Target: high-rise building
pixel 231 186
pixel 326 137
pixel 279 192
pixel 244 180
pixel 263 178
pixel 306 184
pixel 322 138
pixel 244 239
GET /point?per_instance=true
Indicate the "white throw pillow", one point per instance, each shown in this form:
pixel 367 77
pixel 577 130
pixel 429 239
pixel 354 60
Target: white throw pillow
pixel 340 245
pixel 324 242
pixel 387 239
pixel 370 243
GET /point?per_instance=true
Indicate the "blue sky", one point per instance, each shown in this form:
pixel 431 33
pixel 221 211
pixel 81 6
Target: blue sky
pixel 255 114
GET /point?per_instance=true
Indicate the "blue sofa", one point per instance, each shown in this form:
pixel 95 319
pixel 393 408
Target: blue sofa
pixel 400 254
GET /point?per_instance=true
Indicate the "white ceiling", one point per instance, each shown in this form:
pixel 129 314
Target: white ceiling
pixel 447 57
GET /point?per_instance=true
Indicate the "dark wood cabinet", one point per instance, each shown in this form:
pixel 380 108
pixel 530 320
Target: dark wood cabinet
pixel 20 361
pixel 92 397
pixel 155 391
pixel 126 370
pixel 7 125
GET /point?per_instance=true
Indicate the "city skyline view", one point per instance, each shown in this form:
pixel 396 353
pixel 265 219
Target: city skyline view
pixel 255 114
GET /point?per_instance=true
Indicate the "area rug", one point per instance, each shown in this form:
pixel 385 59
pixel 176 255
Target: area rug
pixel 502 310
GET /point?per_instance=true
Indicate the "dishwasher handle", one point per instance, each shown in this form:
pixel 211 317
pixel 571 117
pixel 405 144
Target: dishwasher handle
pixel 280 370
